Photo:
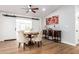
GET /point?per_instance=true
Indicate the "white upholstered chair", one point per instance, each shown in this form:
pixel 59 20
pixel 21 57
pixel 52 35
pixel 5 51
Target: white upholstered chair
pixel 21 39
pixel 38 39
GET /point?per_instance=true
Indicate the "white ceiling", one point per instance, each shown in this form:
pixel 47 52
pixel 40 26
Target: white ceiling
pixel 17 9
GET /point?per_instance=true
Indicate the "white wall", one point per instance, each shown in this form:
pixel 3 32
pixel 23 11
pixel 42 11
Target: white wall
pixel 66 23
pixel 77 24
pixel 36 25
pixel 7 25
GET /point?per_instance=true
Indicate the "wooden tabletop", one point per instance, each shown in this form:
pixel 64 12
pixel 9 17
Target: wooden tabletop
pixel 32 33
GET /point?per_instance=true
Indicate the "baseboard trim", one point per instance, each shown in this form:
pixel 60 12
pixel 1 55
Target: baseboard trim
pixel 1 40
pixel 68 43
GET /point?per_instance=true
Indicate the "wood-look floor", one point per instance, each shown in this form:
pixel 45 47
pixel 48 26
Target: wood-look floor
pixel 48 47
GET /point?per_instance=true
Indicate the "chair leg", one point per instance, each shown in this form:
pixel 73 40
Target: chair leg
pixel 41 43
pixel 35 42
pixel 38 44
pixel 19 45
pixel 23 46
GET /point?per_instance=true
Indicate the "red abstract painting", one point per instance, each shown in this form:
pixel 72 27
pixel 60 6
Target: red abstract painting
pixel 52 20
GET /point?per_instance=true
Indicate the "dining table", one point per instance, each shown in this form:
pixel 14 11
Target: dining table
pixel 31 35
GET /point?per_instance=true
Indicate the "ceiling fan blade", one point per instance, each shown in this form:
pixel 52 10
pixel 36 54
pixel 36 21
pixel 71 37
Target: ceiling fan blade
pixel 33 11
pixel 27 11
pixel 35 8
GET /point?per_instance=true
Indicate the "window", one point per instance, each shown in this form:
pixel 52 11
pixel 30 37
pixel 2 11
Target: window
pixel 24 24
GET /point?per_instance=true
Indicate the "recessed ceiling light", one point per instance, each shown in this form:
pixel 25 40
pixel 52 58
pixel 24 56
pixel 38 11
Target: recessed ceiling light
pixel 43 9
pixel 29 9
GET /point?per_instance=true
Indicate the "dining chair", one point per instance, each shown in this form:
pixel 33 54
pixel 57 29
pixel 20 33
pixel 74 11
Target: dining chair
pixel 37 39
pixel 44 33
pixel 21 39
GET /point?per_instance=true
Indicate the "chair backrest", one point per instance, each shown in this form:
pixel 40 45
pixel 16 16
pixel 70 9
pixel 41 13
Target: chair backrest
pixel 39 36
pixel 20 36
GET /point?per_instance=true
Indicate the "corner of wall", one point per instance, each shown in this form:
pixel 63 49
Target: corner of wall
pixel 68 43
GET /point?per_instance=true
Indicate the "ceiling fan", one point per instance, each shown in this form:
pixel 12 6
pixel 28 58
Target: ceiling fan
pixel 30 8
